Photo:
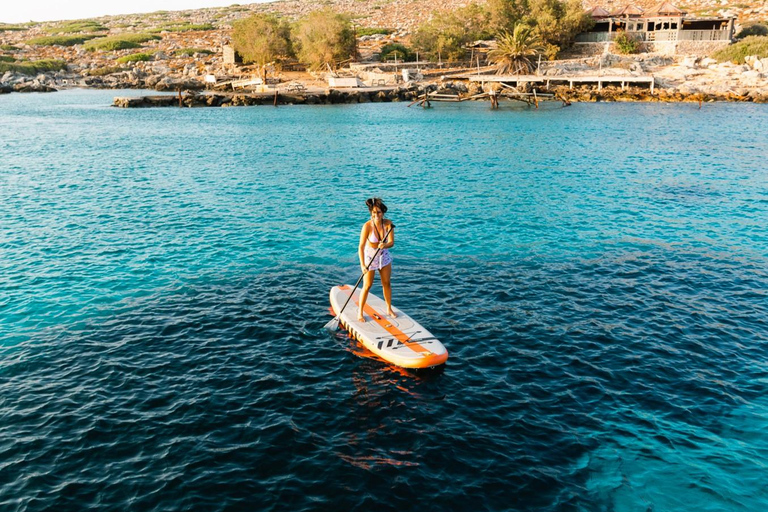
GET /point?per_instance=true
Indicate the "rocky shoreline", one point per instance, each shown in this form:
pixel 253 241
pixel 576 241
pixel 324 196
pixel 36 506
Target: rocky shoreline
pixel 563 94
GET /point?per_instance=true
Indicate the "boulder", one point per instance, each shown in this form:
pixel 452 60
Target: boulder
pixel 690 62
pixel 707 62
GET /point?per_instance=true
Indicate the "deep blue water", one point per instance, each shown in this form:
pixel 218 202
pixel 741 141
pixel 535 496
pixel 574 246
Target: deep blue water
pixel 597 273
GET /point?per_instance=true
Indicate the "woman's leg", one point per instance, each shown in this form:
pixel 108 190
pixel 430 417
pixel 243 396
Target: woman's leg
pixel 385 274
pixel 367 283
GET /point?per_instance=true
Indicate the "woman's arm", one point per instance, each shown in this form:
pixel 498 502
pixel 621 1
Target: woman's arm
pixel 361 246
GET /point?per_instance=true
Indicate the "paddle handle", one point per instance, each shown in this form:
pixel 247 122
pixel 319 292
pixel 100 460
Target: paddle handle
pixel 363 274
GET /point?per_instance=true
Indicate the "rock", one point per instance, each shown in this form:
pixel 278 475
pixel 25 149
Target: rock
pixel 690 62
pixel 707 62
pixel 752 75
pixel 152 81
pixel 760 65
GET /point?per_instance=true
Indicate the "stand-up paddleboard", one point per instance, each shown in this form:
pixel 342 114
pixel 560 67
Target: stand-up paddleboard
pixel 401 341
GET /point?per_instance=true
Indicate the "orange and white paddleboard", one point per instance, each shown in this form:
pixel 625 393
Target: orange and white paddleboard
pixel 400 341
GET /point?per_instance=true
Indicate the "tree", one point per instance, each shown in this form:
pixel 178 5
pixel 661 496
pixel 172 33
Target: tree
pixel 558 22
pixel 445 36
pixel 515 52
pixel 261 39
pixel 324 38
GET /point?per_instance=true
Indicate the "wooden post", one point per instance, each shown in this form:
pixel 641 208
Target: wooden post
pixel 275 103
pixel 535 98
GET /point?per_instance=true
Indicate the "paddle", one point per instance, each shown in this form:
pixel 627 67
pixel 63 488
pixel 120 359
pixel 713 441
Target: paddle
pixel 334 323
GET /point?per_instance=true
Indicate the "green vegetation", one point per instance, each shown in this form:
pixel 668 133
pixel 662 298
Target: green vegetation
pixel 397 51
pixel 4 27
pixel 262 38
pixel 74 27
pixel 625 44
pixel 105 71
pixel 556 22
pixel 8 47
pixel 188 52
pixel 7 58
pixel 33 68
pixel 120 42
pixel 736 52
pixel 445 36
pixel 373 31
pixel 182 27
pixel 324 38
pixel 59 40
pixel 515 52
pixel 135 57
pixel 753 29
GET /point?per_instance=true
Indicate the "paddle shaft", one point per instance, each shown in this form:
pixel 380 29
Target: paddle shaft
pixel 363 274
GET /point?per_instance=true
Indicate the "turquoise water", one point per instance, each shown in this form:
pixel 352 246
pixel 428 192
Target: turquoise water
pixel 597 272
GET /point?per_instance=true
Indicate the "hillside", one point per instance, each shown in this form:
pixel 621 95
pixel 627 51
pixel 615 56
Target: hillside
pixel 180 47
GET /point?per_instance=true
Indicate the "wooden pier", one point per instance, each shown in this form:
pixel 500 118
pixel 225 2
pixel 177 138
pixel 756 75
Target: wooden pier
pixel 530 98
pixel 599 80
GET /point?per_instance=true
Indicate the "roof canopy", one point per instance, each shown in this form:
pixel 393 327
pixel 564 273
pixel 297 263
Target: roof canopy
pixel 665 9
pixel 598 12
pixel 630 11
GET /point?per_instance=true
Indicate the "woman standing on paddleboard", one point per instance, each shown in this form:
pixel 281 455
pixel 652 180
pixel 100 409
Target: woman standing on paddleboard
pixel 377 234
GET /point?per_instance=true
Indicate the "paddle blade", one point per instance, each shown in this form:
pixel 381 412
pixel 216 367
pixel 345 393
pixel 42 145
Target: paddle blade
pixel 333 325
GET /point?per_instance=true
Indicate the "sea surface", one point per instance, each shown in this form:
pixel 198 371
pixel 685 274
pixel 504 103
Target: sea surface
pixel 598 273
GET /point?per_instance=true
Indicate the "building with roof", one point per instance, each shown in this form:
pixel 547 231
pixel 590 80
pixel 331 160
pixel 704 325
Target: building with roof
pixel 663 22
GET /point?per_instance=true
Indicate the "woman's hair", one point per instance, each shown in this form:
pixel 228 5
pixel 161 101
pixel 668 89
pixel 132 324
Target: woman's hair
pixel 376 202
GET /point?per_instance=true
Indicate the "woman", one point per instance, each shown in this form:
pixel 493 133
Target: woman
pixel 377 233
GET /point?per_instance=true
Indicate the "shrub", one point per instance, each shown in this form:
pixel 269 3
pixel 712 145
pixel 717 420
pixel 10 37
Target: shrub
pixel 736 52
pixel 135 57
pixel 262 38
pixel 373 31
pixel 397 51
pixel 33 68
pixel 625 44
pixel 754 29
pixel 191 51
pixel 120 42
pixel 11 28
pixel 73 27
pixel 8 47
pixel 59 40
pixel 105 71
pixel 7 58
pixel 183 27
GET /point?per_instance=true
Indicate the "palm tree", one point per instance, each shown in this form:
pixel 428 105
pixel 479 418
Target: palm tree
pixel 514 52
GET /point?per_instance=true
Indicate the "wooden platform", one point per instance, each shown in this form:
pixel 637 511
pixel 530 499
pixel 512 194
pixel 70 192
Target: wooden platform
pixel 599 80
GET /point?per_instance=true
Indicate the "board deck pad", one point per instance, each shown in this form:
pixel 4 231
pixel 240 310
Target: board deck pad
pixel 401 341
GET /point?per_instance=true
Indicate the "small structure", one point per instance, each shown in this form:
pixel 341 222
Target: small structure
pixel 344 81
pixel 663 22
pixel 231 56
